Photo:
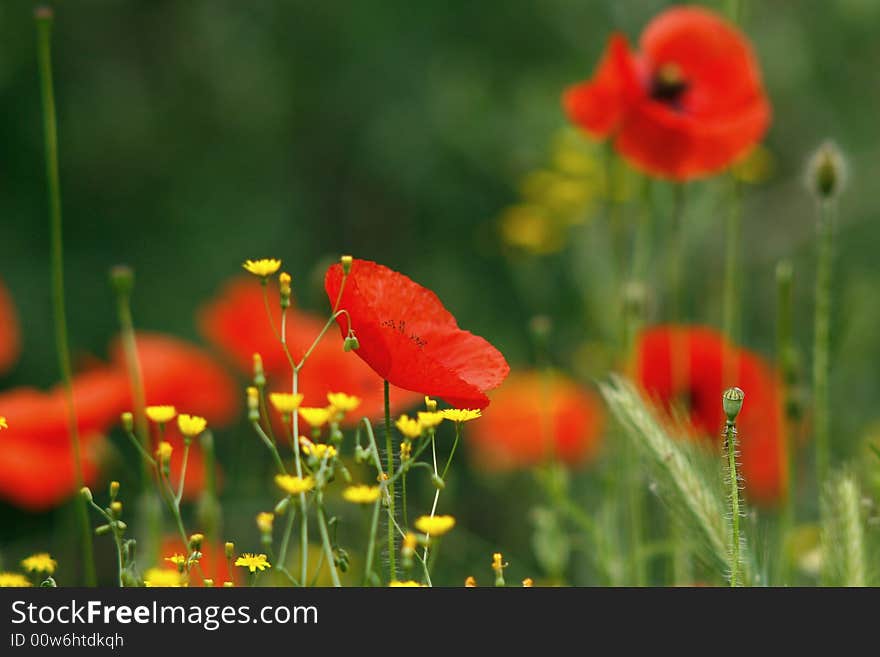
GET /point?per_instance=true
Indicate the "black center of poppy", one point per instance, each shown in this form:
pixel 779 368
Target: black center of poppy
pixel 668 84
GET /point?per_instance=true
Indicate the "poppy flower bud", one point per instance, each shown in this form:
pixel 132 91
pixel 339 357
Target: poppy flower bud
pixel 128 421
pixel 351 343
pixel 346 261
pixel 122 279
pixel 732 401
pixel 826 171
pixel 259 373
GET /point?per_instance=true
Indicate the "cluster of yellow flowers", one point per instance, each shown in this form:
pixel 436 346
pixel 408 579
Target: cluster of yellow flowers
pixel 41 564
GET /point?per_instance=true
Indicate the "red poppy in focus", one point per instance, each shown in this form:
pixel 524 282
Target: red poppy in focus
pixel 237 323
pixel 682 368
pixel 10 334
pixel 410 339
pixel 181 374
pixel 690 103
pixel 36 462
pixel 212 565
pixel 536 416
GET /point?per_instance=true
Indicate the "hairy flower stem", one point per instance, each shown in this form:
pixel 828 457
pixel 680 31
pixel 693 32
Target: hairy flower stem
pixel 389 460
pixel 822 340
pixel 730 440
pixel 44 17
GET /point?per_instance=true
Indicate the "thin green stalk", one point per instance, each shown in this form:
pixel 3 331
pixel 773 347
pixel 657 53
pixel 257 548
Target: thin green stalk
pixel 452 451
pixel 676 278
pixel 389 459
pixel 325 539
pixel 273 450
pixel 732 241
pixel 822 340
pixel 784 356
pixel 371 545
pixel 44 18
pixel 182 479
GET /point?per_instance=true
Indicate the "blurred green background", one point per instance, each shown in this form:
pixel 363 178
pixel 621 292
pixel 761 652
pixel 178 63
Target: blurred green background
pixel 196 134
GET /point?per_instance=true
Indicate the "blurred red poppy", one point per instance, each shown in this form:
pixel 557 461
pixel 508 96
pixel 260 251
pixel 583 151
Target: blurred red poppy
pixel 537 416
pixel 694 386
pixel 236 322
pixel 212 565
pixel 410 339
pixel 10 334
pixel 179 373
pixel 690 103
pixel 36 463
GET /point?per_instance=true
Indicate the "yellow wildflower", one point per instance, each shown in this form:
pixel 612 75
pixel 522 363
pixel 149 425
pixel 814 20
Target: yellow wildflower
pixel 409 544
pixel 177 559
pixel 461 414
pixel 316 417
pixel 3 424
pixel 434 525
pixel 228 585
pixel 528 582
pixel 10 580
pixel 406 584
pixel 430 419
pixel 191 425
pixel 405 450
pixel 163 451
pixel 164 577
pixel 285 402
pixel 40 563
pixel 362 494
pixel 318 450
pixel 161 414
pixel 430 404
pixel 470 582
pixel 342 402
pixel 263 267
pixel 294 485
pixel 346 262
pixel 265 521
pixel 253 562
pixel 498 562
pixel 408 426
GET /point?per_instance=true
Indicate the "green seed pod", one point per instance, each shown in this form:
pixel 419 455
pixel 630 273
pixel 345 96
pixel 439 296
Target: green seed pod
pixel 732 401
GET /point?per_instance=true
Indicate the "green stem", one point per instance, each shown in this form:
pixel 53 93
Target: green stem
pixel 273 450
pixel 676 279
pixel 389 459
pixel 44 18
pixel 822 339
pixel 371 545
pixel 784 355
pixel 730 439
pixel 733 238
pixel 452 451
pixel 325 539
pixel 182 478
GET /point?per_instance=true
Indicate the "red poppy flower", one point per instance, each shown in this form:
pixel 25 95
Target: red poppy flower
pixel 212 565
pixel 536 416
pixel 179 373
pixel 236 322
pixel 687 105
pixel 36 462
pixel 410 339
pixel 10 335
pixel 683 368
